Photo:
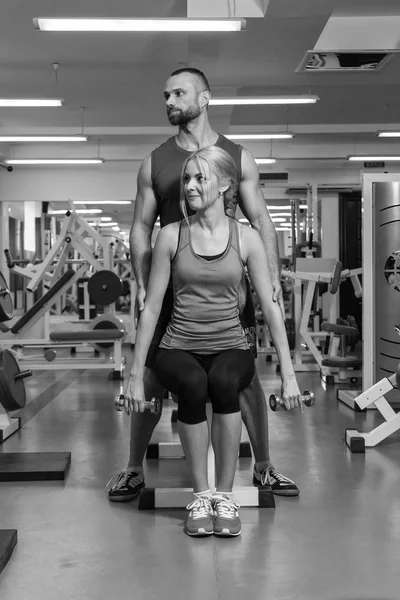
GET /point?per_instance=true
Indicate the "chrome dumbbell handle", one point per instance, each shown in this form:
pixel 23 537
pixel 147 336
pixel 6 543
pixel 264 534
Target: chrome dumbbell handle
pixel 154 406
pixel 277 403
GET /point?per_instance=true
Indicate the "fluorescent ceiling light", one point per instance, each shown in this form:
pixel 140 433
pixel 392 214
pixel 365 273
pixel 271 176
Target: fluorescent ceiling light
pixel 265 161
pixel 278 219
pixel 43 138
pixel 120 25
pixel 281 214
pixel 89 211
pixel 54 161
pixel 282 228
pixel 389 134
pixel 372 158
pixel 104 218
pixel 241 100
pixel 116 228
pixel 259 136
pixel 102 201
pixel 30 102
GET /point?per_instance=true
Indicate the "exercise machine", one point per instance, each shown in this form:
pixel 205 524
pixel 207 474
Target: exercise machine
pixel 23 466
pixel 381 286
pixel 105 333
pixel 375 395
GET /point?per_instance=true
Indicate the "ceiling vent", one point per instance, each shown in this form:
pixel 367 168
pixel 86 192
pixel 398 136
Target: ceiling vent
pixel 343 61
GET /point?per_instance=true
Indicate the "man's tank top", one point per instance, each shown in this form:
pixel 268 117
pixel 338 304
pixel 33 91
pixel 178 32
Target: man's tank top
pixel 166 167
pixel 205 318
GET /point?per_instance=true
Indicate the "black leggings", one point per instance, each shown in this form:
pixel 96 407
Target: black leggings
pixel 195 378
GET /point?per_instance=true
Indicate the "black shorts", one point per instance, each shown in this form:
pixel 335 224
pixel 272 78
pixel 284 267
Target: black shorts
pixel 247 319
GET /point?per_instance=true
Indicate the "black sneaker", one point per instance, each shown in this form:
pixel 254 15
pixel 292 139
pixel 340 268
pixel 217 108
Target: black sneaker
pixel 126 487
pixel 281 485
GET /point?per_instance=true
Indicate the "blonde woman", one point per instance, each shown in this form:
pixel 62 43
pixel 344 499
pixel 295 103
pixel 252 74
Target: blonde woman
pixel 204 353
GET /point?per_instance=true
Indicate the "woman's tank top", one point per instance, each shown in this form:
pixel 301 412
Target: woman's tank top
pixel 205 319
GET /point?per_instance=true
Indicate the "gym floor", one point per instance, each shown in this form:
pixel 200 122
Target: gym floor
pixel 340 539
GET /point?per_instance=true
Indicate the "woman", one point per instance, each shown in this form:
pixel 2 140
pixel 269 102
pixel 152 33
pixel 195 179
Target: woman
pixel 204 353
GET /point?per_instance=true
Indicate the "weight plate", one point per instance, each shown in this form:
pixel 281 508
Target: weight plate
pixel 12 393
pixel 126 287
pixel 6 303
pixel 291 332
pixel 104 287
pixel 398 376
pixel 106 322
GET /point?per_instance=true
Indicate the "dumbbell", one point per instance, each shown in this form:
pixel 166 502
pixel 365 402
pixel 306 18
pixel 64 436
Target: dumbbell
pixel 154 406
pixel 276 403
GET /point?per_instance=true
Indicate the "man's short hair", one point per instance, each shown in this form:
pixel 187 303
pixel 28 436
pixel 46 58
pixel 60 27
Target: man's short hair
pixel 199 74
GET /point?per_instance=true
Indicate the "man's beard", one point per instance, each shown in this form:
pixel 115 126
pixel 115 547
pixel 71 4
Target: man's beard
pixel 183 117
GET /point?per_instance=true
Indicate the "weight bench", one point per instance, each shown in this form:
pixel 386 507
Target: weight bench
pixel 101 338
pixel 179 497
pixel 357 441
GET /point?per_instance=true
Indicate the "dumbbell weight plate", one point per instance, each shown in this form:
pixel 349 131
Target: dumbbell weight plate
pixel 12 393
pixel 6 303
pixel 105 287
pixel 273 403
pixel 310 400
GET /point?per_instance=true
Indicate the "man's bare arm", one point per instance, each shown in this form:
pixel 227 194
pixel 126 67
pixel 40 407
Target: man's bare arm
pixel 254 207
pixel 142 227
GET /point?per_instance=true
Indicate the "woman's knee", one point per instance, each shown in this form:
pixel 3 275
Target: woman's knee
pixel 223 394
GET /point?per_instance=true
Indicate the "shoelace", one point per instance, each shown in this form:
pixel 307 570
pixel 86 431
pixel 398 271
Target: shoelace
pixel 122 480
pixel 225 507
pixel 201 507
pixel 275 474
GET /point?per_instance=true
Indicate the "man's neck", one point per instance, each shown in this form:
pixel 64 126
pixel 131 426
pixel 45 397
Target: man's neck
pixel 196 135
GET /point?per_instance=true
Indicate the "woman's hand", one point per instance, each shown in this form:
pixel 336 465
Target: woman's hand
pixel 134 395
pixel 290 394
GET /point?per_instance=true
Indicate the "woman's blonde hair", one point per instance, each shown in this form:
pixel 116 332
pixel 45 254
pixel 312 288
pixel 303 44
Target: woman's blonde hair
pixel 217 160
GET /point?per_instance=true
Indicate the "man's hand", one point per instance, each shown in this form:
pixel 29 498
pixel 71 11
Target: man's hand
pixel 277 296
pixel 139 304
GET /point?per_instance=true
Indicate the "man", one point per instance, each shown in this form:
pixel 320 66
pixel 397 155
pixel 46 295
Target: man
pixel 187 95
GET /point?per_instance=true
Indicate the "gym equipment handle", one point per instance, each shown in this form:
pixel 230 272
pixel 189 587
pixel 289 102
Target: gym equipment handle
pixel 23 374
pixel 10 262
